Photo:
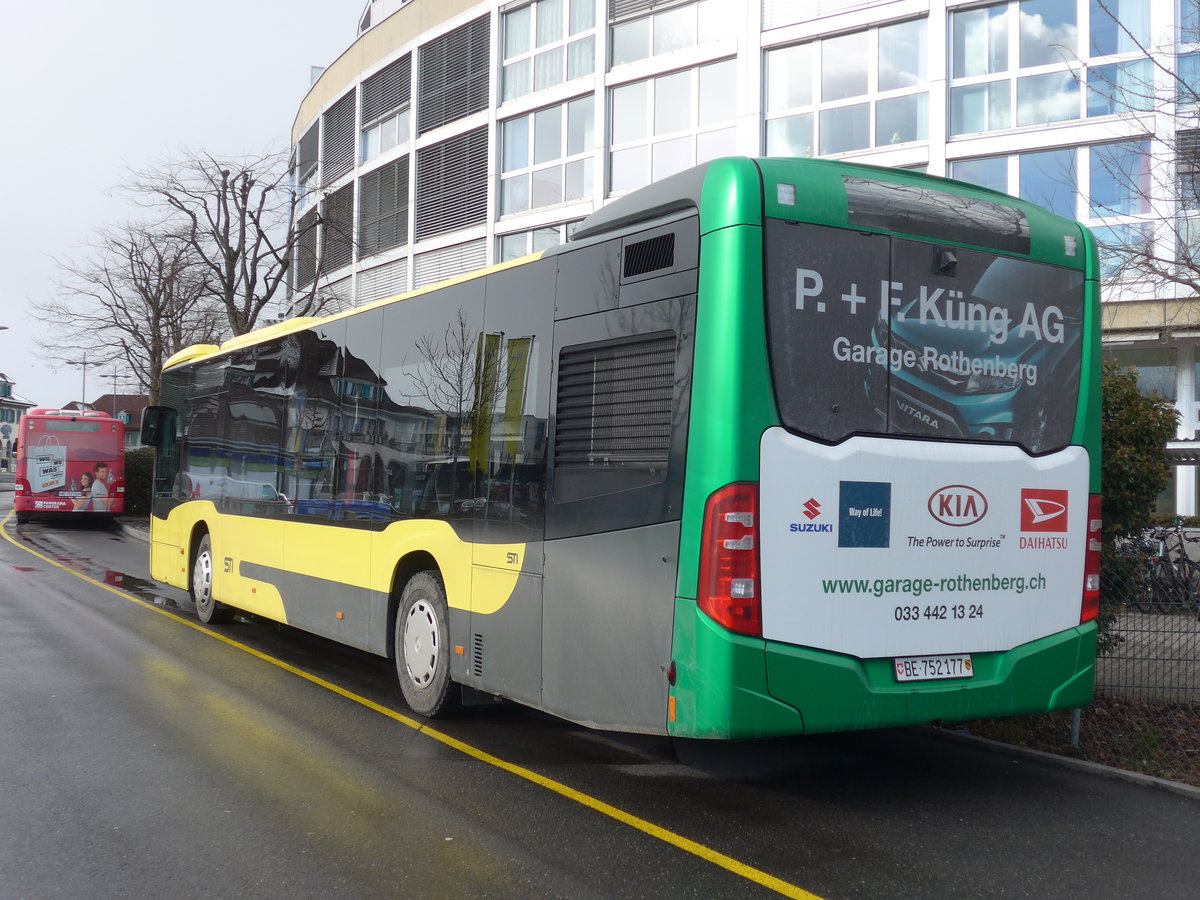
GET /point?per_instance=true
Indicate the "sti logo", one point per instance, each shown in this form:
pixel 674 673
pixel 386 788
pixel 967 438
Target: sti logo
pixel 1043 510
pixel 957 505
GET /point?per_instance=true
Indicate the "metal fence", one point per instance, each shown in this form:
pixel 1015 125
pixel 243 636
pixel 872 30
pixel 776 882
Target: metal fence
pixel 1147 710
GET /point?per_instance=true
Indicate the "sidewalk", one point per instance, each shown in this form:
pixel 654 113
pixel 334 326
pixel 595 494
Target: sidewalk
pixel 135 527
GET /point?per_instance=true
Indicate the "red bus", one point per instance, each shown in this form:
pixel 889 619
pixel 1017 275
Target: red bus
pixel 70 462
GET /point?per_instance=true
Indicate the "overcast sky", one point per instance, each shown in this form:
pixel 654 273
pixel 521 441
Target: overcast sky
pixel 92 90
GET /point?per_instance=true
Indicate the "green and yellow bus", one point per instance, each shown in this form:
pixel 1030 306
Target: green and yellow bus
pixel 769 447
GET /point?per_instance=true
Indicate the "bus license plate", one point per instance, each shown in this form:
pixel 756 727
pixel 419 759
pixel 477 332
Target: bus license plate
pixel 930 668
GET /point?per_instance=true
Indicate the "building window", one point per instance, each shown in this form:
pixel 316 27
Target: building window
pixel 546 156
pixel 664 125
pixel 1121 88
pixel 1113 180
pixel 453 75
pixel 1119 179
pixel 337 229
pixel 304 267
pixel 1121 26
pixel 850 92
pixel 1155 368
pixel 386 108
pixel 337 138
pixel 984 45
pixel 669 30
pixel 1049 179
pixel 523 243
pixel 1023 62
pixel 383 208
pixel 305 171
pixel 1119 244
pixel 452 186
pixel 546 43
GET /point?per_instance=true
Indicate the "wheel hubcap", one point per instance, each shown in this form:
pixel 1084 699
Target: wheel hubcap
pixel 202 579
pixel 421 643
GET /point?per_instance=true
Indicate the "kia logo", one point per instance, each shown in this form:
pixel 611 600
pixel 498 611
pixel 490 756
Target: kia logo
pixel 957 505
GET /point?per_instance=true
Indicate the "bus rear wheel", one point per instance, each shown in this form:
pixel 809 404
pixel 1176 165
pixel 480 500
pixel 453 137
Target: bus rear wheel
pixel 208 610
pixel 422 646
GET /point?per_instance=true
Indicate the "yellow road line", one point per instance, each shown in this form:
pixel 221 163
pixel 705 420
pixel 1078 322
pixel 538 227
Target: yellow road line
pixel 669 837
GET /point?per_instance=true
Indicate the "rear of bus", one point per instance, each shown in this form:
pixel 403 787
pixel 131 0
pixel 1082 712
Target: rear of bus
pixel 905 526
pixel 70 462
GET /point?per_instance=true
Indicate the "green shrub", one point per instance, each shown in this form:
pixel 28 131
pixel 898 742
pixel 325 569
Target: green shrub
pixel 1134 430
pixel 1134 434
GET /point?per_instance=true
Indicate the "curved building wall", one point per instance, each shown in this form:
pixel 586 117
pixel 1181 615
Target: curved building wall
pixel 452 134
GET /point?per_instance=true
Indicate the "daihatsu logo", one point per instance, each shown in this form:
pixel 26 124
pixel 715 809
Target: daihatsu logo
pixel 957 505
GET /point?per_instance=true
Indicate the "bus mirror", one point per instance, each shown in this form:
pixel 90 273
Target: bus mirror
pixel 156 423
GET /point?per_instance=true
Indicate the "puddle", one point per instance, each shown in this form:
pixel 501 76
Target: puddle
pixel 143 589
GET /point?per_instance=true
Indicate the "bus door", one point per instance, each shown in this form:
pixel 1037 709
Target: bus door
pixel 620 398
pixel 506 454
pixel 246 479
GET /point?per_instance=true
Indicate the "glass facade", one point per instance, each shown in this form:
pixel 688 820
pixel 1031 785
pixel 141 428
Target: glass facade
pixel 850 92
pixel 1065 103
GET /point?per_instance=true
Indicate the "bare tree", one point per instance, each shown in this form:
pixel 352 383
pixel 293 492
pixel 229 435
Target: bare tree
pixel 138 297
pixel 1154 174
pixel 238 217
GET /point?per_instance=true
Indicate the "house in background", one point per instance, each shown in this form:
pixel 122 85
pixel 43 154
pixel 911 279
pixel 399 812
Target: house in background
pixel 126 407
pixel 12 407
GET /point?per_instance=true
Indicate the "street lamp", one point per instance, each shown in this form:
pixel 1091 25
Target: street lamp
pixel 125 381
pixel 82 363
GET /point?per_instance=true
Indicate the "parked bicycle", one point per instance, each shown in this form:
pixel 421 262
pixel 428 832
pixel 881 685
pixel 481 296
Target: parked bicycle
pixel 1169 579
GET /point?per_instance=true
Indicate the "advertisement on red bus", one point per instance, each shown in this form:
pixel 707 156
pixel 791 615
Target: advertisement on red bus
pixel 70 462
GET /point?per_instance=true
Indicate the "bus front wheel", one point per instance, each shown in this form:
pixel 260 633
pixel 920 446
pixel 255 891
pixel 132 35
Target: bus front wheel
pixel 208 610
pixel 422 645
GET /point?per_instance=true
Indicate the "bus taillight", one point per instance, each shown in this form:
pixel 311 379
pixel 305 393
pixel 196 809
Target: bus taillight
pixel 1091 563
pixel 22 487
pixel 729 576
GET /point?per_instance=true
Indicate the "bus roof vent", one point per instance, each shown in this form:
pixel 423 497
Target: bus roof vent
pixel 650 255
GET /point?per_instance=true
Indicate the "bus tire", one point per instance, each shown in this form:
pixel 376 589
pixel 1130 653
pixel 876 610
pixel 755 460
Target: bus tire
pixel 22 519
pixel 208 610
pixel 422 646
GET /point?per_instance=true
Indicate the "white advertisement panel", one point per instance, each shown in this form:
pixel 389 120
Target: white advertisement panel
pixel 47 468
pixel 879 547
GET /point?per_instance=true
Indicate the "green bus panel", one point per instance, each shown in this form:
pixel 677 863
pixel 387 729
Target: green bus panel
pixel 736 687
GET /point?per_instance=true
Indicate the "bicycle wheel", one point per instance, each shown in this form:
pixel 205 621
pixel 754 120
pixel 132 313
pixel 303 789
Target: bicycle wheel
pixel 1178 592
pixel 1144 593
pixel 1163 586
pixel 1191 576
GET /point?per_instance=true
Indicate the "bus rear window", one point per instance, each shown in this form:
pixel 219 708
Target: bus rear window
pixel 877 335
pixel 67 425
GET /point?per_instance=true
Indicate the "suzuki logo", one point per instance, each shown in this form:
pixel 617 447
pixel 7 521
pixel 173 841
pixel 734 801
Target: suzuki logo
pixel 1043 510
pixel 957 505
pixel 812 508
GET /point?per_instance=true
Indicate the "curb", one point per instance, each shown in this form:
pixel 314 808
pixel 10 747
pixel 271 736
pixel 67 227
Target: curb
pixel 1069 762
pixel 137 534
